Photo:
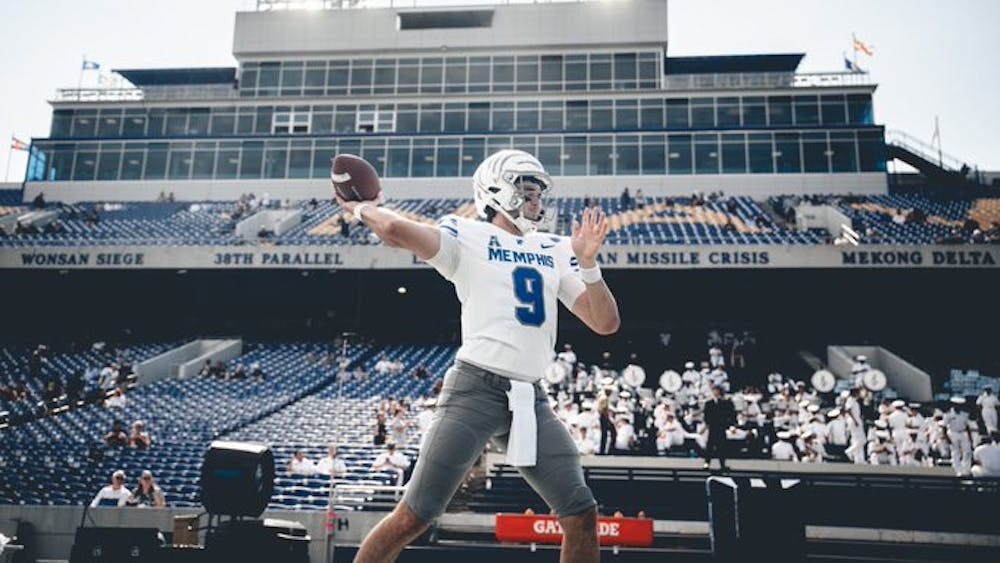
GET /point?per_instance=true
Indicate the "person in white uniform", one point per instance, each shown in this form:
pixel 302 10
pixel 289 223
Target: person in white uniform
pixel 988 403
pixel 957 424
pixel 509 280
pixel 856 426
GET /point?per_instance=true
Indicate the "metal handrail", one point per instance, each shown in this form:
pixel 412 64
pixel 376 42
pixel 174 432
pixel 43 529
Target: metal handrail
pixel 924 149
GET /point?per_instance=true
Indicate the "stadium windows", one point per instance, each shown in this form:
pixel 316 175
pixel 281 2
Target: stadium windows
pixel 706 154
pixel 248 79
pixel 648 70
pixel 473 152
pixel 651 114
pixel 503 116
pixel 60 165
pixel 322 119
pixel 454 117
pixel 300 159
pixel 85 164
pixel 494 144
pixel 447 158
pixel 110 123
pixel 702 113
pixel 576 72
pixel 833 109
pixel 275 159
pixel 626 114
pixel 62 123
pixel 679 154
pixel 176 122
pixel 132 161
pixel 431 75
pixel 267 79
pixel 156 162
pixel 197 121
pixel 223 121
pixel 527 144
pixel 653 155
pixel 179 161
pixel 806 110
pixel 337 78
pixel 204 160
pixel 264 119
pixel 385 76
pixel 859 109
pixel 227 162
pixel 843 152
pixel 627 155
pixel 779 110
pixel 527 116
pixel 576 115
pixel 503 74
pixel 245 118
pixel 786 153
pixel 292 76
pixel 344 119
pixel 408 76
pixel 871 151
pixel 398 163
pixel 361 77
pixel 430 118
pixel 526 77
pixel 373 150
pixel 728 112
pixel 754 111
pixel 109 161
pixel 323 152
pixel 371 121
pixel 734 159
pixel 479 116
pixel 479 74
pixel 456 75
pixel 625 71
pixel 550 154
pixel 574 156
pixel 601 115
pixel 551 73
pixel 84 123
pixel 760 152
pixel 315 79
pixel 251 159
pixel 815 156
pixel 600 71
pixel 552 116
pixel 406 118
pixel 291 122
pixel 422 165
pixel 678 114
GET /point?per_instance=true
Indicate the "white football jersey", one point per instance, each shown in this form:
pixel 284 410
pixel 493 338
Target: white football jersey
pixel 508 286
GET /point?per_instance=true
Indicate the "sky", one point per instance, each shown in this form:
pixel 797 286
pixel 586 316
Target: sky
pixel 932 58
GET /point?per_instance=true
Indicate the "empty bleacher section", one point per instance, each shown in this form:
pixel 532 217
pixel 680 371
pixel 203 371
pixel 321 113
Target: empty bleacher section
pixel 304 402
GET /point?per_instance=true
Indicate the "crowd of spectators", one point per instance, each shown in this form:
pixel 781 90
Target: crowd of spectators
pixel 146 494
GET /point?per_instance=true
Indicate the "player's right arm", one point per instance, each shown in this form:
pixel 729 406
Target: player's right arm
pixel 396 231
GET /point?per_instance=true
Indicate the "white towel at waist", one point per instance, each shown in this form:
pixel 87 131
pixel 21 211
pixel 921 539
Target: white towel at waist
pixel 522 445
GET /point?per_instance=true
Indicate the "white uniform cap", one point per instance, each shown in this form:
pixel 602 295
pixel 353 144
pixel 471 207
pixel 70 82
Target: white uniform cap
pixel 784 435
pixel 689 365
pixel 813 408
pixel 833 413
pixel 958 400
pixel 898 403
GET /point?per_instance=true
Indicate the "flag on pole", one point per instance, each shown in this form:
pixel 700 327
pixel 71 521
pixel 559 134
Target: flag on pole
pixel 18 144
pixel 90 65
pixel 850 65
pixel 862 47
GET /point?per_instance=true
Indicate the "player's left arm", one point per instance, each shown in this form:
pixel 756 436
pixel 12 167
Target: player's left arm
pixel 596 306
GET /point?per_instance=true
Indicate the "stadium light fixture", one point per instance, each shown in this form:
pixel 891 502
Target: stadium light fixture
pixel 401 290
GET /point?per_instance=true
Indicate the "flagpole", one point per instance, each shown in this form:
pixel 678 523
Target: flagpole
pixel 854 49
pixel 937 133
pixel 10 151
pixel 79 82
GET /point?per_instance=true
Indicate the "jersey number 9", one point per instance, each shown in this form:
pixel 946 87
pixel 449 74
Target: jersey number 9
pixel 529 289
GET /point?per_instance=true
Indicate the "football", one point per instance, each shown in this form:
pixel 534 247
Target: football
pixel 354 179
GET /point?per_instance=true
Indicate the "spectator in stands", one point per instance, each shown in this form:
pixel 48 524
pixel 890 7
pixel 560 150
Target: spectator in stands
pixel 380 429
pixel 399 426
pixel 856 426
pixel 392 460
pixel 783 450
pixel 114 494
pixel 117 436
pixel 720 415
pixel 300 464
pixel 624 436
pixel 206 370
pixel 331 464
pixel 116 400
pixel 584 443
pixel 147 493
pixel 987 458
pixel 257 372
pixel 640 199
pixel 625 201
pixel 139 439
pixel 39 201
pixel 383 366
pixel 421 372
pixel 959 435
pixel 608 430
pixel 425 417
pixel 882 451
pixel 988 403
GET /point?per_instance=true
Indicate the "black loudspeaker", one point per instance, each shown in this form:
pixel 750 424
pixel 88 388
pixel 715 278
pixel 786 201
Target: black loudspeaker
pixel 755 520
pixel 115 545
pixel 237 479
pixel 259 540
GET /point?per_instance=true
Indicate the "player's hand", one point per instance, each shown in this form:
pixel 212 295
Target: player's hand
pixel 348 206
pixel 588 236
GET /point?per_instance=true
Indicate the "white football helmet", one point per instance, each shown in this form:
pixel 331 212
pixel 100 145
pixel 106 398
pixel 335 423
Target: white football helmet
pixel 507 182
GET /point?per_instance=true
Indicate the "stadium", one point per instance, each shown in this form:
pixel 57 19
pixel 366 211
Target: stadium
pixel 195 325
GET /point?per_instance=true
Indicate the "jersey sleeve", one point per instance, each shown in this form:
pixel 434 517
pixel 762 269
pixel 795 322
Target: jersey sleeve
pixel 571 285
pixel 447 258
